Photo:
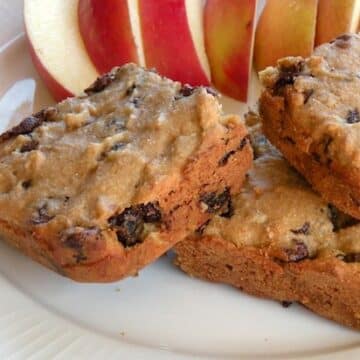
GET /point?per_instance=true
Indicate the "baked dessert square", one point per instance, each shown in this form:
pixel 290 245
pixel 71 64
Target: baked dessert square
pixel 310 109
pixel 281 241
pixel 101 185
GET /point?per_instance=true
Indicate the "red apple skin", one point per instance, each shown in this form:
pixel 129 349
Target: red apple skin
pixel 56 89
pixel 229 34
pixel 167 41
pixel 106 30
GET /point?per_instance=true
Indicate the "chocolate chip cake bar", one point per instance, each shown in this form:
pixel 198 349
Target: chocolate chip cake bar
pixel 280 240
pixel 311 113
pixel 100 185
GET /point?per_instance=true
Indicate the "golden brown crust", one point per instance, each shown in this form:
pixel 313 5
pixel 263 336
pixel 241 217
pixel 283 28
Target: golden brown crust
pixel 310 109
pixel 180 200
pixel 326 285
pixel 332 187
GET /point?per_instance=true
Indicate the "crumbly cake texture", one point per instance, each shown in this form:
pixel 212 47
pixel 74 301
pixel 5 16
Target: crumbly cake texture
pixel 311 112
pixel 282 241
pixel 100 185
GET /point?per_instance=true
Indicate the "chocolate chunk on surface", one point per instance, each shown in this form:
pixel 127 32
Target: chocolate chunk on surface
pixel 307 94
pixel 187 90
pixel 287 76
pixel 29 146
pixel 42 216
pixel 76 240
pixel 298 252
pixel 353 116
pixel 304 230
pixel 224 160
pixel 129 225
pixel 352 258
pixel 200 230
pixel 100 84
pixel 339 219
pixel 214 202
pixel 286 304
pixel 29 124
pixel 25 127
pixel 26 184
pixel 151 212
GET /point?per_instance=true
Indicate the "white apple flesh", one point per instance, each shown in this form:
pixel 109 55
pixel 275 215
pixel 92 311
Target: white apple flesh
pixel 57 47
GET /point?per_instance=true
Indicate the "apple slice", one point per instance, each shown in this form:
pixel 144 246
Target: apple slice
pixel 229 34
pixel 172 35
pixel 286 28
pixel 56 46
pixel 336 17
pixel 106 29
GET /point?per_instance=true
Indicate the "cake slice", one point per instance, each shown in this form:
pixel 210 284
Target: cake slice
pixel 281 241
pixel 101 185
pixel 311 112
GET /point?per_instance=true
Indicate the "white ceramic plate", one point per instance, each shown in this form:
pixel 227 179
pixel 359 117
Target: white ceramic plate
pixel 162 314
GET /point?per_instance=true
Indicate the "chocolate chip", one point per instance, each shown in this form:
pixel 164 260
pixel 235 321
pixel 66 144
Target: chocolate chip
pixel 316 157
pixel 282 81
pixel 342 44
pixel 229 212
pixel 342 41
pixel 129 224
pixel 353 116
pixel 130 90
pixel 345 37
pixel 339 219
pixel 80 257
pixel 25 127
pixel 289 140
pixel 320 150
pixel 135 102
pixel 77 239
pixel 229 267
pixel 118 146
pixel 117 124
pixel 100 84
pixel 224 160
pixel 42 216
pixel 48 114
pixel 215 202
pixel 298 252
pixel 211 91
pixel 29 146
pixel 30 123
pixel 186 90
pixel 286 304
pixel 287 76
pixel 151 212
pixel 243 142
pixel 307 94
pixel 200 230
pixel 26 184
pixel 351 258
pixel 295 68
pixel 304 230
